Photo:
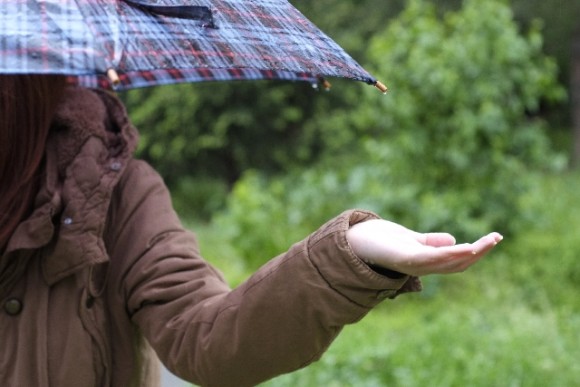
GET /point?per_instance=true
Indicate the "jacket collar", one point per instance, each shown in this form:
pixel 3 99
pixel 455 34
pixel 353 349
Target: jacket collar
pixel 90 143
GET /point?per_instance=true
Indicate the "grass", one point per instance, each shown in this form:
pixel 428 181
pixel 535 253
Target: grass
pixel 512 320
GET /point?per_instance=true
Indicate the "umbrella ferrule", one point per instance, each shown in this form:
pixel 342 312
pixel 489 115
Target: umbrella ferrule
pixel 113 77
pixel 384 89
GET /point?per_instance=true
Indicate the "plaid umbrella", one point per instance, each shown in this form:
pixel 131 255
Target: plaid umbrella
pixel 126 44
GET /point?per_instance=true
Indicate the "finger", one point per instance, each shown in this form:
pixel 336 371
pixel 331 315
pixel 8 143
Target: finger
pixel 458 258
pixel 482 245
pixel 434 239
pixel 486 243
pixel 438 239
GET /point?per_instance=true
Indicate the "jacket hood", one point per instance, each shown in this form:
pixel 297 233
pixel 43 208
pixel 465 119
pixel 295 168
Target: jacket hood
pixel 90 143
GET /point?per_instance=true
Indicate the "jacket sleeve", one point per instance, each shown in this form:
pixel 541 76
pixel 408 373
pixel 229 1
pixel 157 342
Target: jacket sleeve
pixel 281 319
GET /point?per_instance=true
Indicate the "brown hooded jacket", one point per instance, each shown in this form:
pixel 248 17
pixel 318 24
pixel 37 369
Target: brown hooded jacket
pixel 102 279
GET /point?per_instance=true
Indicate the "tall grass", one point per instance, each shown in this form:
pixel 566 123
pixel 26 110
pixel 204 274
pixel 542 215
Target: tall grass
pixel 512 320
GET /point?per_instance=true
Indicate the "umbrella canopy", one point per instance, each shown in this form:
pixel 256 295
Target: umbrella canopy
pixel 126 44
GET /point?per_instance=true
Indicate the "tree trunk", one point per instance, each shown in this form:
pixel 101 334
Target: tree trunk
pixel 575 97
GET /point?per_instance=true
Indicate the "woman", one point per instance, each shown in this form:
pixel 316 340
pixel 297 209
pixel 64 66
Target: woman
pixel 98 277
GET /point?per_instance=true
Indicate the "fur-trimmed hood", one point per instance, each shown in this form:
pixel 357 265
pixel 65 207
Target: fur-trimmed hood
pixel 89 145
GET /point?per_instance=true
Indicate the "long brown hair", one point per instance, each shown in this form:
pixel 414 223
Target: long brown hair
pixel 27 106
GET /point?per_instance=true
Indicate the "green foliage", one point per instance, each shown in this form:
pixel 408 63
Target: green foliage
pixel 561 26
pixel 221 129
pixel 199 197
pixel 559 19
pixel 512 320
pixel 459 126
pixel 543 260
pixel 448 149
pixel 448 342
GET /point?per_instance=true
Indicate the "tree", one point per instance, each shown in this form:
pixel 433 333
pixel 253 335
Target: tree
pixel 451 147
pixel 211 129
pixel 461 122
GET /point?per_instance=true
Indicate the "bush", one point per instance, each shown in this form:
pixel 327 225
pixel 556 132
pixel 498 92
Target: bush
pixel 459 124
pixel 482 327
pixel 513 319
pixel 199 197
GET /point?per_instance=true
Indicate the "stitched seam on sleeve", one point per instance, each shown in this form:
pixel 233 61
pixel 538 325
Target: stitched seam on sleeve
pixel 330 285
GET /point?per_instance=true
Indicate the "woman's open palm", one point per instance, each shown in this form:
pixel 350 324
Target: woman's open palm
pixel 395 247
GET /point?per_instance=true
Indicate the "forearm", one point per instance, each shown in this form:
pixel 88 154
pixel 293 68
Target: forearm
pixel 284 317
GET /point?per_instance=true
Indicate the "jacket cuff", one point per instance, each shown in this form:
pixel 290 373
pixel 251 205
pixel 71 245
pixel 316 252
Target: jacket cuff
pixel 346 273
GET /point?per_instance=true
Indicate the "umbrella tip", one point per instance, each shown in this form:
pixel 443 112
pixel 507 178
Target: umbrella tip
pixel 113 77
pixel 322 83
pixel 384 89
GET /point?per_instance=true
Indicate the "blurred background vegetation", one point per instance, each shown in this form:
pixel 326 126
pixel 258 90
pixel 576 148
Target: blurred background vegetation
pixel 476 134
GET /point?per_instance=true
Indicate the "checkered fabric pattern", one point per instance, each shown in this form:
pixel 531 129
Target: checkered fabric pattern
pixel 156 42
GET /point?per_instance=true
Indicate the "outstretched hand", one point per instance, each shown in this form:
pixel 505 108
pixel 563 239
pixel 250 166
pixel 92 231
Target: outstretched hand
pixel 394 247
